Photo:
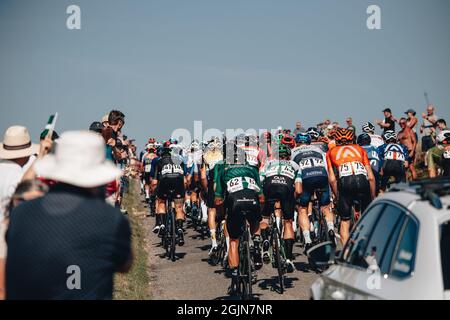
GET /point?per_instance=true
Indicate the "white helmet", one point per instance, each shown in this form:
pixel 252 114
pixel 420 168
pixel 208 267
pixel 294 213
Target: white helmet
pixel 368 127
pixel 389 135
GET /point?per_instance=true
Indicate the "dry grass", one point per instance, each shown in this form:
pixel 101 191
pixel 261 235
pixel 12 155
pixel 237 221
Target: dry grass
pixel 134 285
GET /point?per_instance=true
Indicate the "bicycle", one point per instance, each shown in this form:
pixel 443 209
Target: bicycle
pixel 243 287
pixel 277 250
pixel 219 255
pixel 169 236
pixel 319 221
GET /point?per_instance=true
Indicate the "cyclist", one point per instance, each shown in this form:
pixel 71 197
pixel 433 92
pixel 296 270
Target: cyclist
pixel 375 139
pixel 354 180
pixel 364 140
pixel 438 156
pixel 313 177
pixel 194 160
pixel 394 160
pixel 212 156
pixel 169 177
pixel 147 164
pixel 238 187
pixel 254 155
pixel 278 177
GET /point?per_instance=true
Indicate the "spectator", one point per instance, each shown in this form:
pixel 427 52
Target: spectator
pixel 25 191
pixel 388 124
pixel 71 237
pixel 298 128
pixel 407 137
pixel 105 120
pixel 350 125
pixel 427 128
pixel 17 153
pixel 412 121
pixel 96 127
pixel 441 126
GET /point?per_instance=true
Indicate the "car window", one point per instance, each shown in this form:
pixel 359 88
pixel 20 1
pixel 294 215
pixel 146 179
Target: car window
pixel 403 263
pixel 356 245
pixel 386 259
pixel 386 230
pixel 445 254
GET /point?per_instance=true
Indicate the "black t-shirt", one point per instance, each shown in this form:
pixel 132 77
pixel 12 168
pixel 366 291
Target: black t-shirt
pixel 391 124
pixel 53 239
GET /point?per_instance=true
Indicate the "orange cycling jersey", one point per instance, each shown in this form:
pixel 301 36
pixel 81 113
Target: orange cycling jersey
pixel 348 159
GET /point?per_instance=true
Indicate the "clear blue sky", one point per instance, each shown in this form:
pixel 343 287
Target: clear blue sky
pixel 230 63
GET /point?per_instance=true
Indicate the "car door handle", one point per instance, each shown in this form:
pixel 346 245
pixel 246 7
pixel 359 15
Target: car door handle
pixel 337 295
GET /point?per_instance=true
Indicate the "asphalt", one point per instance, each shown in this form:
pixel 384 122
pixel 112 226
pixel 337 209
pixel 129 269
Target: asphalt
pixel 191 277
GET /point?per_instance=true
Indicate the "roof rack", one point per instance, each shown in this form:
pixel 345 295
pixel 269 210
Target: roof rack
pixel 430 190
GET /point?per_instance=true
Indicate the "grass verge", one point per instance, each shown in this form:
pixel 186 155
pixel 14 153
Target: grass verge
pixel 134 285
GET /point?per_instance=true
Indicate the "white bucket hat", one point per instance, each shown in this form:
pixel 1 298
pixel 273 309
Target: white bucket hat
pixel 17 144
pixel 79 160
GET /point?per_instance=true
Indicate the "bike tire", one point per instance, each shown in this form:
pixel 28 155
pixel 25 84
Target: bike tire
pixel 278 261
pixel 249 270
pixel 174 238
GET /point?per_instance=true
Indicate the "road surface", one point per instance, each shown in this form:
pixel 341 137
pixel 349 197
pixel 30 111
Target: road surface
pixel 191 277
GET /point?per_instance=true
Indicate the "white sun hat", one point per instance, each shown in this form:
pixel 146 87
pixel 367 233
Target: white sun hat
pixel 17 144
pixel 79 160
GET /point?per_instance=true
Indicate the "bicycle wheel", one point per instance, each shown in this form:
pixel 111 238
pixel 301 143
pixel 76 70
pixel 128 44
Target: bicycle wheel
pixel 249 269
pixel 174 237
pixel 279 262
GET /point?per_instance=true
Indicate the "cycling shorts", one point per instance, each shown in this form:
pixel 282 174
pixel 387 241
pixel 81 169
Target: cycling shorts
pixel 353 190
pixel 395 169
pixel 168 185
pixel 310 186
pixel 238 202
pixel 284 193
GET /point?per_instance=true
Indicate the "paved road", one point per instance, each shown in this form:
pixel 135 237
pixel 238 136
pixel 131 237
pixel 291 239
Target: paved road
pixel 191 277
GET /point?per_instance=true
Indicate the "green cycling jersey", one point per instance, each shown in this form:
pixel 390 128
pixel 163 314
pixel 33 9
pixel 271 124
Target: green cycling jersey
pixel 230 178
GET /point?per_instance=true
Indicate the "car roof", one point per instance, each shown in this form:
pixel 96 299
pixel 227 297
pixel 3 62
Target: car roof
pixel 409 198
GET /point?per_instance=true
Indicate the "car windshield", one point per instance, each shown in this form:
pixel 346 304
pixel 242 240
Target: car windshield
pixel 445 254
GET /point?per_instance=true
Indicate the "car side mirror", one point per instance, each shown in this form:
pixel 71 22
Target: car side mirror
pixel 322 254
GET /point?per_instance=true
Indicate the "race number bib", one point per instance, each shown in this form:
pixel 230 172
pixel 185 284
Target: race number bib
pixel 352 168
pixel 252 160
pixel 147 168
pixel 311 162
pixel 287 171
pixel 235 184
pixel 393 155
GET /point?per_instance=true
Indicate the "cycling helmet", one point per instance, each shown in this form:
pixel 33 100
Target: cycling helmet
pixel 167 144
pixel 313 133
pixel 344 136
pixel 151 140
pixel 368 127
pixel 303 138
pixel 364 139
pixel 288 141
pixel 389 136
pixel 443 137
pixel 324 140
pixel 174 141
pixel 165 151
pixel 215 144
pixel 194 145
pixel 284 150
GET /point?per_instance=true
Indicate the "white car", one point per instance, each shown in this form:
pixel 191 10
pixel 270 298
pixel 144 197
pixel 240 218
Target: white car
pixel 399 249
